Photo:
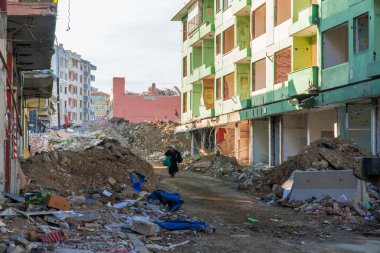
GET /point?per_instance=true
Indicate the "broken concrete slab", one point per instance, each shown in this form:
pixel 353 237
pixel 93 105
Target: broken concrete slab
pixel 308 184
pixel 144 227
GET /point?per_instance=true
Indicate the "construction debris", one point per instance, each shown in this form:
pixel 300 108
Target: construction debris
pixel 68 171
pixel 324 154
pixel 151 139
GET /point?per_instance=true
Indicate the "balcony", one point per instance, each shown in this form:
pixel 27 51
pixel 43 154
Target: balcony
pixel 231 105
pixel 199 74
pixel 92 78
pixel 335 76
pixel 237 56
pixel 206 113
pixel 306 24
pixel 85 73
pixel 85 98
pixel 241 7
pixel 303 81
pixel 186 117
pixel 373 69
pixel 205 31
pixel 85 86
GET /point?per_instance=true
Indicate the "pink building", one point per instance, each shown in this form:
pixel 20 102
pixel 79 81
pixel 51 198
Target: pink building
pixel 139 108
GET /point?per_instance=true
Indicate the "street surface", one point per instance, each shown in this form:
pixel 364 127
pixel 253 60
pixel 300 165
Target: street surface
pixel 278 230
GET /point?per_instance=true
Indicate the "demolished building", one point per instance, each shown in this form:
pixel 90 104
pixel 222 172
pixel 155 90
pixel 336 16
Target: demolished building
pixel 143 107
pixel 27 32
pixel 263 88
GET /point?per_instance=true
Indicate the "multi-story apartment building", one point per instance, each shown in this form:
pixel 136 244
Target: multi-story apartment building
pixel 75 77
pixel 100 105
pixel 262 79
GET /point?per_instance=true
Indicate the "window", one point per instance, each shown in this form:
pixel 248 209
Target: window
pixel 218 44
pixel 81 91
pixel 184 66
pixel 228 40
pixel 184 30
pixel 80 103
pixel 259 75
pixel 217 7
pixel 282 11
pixel 227 4
pixel 229 86
pixel 81 78
pixel 259 22
pixel 361 33
pixel 65 90
pixel 184 102
pixel 65 104
pixel 335 46
pixel 219 88
pixel 283 65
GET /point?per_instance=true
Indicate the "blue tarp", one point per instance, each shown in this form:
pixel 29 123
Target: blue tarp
pixel 173 200
pixel 137 182
pixel 183 225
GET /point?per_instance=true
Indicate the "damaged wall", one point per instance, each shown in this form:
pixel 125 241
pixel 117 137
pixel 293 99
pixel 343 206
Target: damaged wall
pixel 141 108
pixel 260 141
pixel 321 124
pixel 294 134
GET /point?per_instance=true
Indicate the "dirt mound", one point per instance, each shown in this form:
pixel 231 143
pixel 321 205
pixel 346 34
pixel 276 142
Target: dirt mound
pixel 151 139
pixel 69 171
pixel 324 154
pixel 216 165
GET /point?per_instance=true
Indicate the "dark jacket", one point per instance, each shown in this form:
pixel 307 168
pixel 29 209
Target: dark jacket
pixel 173 159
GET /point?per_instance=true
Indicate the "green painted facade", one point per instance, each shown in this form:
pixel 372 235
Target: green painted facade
pixel 353 79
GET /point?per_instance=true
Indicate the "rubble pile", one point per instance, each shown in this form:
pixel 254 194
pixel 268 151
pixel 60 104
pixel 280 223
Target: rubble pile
pixel 228 168
pixel 340 210
pixel 151 139
pixel 165 92
pixel 79 171
pixel 89 223
pixel 323 154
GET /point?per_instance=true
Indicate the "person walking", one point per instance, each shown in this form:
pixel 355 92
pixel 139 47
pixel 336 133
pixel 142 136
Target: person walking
pixel 175 158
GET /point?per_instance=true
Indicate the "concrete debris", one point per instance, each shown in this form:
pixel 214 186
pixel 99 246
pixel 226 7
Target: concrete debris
pixel 228 168
pixel 323 154
pixel 76 172
pixel 151 139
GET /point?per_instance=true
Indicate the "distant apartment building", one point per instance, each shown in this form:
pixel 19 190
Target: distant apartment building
pixel 100 103
pixel 143 107
pixel 75 76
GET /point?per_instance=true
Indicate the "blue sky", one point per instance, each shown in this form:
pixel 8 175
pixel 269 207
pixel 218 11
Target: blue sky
pixel 129 38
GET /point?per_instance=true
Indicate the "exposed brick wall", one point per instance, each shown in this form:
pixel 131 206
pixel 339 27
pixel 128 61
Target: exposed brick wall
pixel 143 108
pixel 283 65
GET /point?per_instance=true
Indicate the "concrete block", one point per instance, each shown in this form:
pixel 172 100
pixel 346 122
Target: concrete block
pixel 144 227
pixel 112 181
pixel 58 202
pixel 334 183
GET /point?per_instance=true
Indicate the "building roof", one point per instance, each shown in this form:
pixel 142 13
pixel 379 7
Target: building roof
pixel 183 12
pixel 99 93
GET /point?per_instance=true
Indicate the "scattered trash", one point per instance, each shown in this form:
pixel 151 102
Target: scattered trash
pixel 183 225
pixel 253 220
pixel 173 200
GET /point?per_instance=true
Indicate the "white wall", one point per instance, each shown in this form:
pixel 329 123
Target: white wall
pixel 294 134
pixel 319 121
pixel 260 141
pixel 335 46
